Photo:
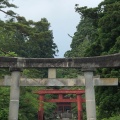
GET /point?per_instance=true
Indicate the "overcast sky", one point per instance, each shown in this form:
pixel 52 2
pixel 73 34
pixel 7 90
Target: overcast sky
pixel 61 15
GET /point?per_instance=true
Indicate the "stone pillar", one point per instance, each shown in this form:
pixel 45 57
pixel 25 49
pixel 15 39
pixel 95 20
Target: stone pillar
pixel 90 94
pixel 51 73
pixel 14 94
pixel 79 105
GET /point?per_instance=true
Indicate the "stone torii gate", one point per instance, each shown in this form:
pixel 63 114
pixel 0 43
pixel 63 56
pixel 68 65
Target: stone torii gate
pixel 87 65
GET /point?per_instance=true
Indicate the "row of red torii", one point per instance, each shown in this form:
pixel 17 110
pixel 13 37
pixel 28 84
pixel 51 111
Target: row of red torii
pixel 88 65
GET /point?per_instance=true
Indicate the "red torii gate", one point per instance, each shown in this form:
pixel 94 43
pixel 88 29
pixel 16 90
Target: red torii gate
pixel 79 100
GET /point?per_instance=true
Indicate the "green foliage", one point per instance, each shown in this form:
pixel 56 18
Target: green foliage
pixel 28 103
pixel 107 100
pixel 83 38
pixel 105 20
pixel 27 38
pixel 4 72
pixel 109 28
pixel 35 73
pixel 101 27
pixel 68 73
pixel 49 109
pixel 117 117
pixel 7 4
pixel 4 102
pixel 22 38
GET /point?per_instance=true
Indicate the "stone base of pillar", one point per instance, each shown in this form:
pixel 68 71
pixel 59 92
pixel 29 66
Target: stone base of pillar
pixel 65 119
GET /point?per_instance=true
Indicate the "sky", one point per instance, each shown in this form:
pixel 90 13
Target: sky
pixel 59 13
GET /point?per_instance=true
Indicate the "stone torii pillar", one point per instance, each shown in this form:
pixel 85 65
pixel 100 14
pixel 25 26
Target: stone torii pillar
pixel 89 94
pixel 14 94
pixel 51 74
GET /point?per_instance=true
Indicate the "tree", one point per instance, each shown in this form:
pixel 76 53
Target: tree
pixel 6 4
pixel 27 40
pixel 4 103
pixel 109 25
pixel 113 118
pixel 23 38
pixel 105 18
pixel 105 23
pixel 83 38
pixel 41 44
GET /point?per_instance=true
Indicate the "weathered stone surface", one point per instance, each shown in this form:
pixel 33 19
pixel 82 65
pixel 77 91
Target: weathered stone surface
pixel 66 115
pixel 105 81
pixel 51 73
pixel 80 81
pixel 90 96
pixel 111 61
pixel 65 118
pixel 14 96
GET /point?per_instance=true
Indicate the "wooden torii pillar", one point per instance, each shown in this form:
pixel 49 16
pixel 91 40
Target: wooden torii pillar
pixel 79 100
pixel 41 108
